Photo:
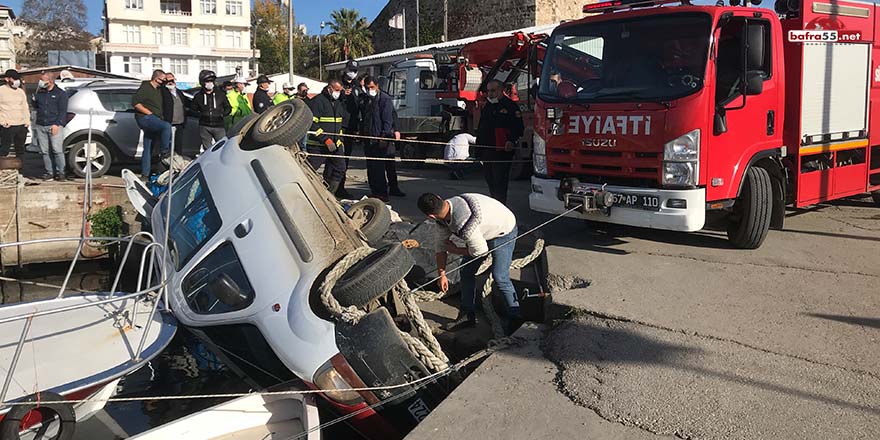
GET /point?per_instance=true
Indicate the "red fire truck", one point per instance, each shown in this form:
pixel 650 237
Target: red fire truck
pixel 669 116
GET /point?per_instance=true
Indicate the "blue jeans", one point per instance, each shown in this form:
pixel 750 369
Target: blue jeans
pixel 155 129
pixel 501 259
pixel 50 148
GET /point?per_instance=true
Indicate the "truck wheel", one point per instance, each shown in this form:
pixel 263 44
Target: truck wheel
pixel 412 151
pixel 284 124
pixel 374 275
pixel 372 217
pixel 752 210
pixel 876 196
pixel 77 160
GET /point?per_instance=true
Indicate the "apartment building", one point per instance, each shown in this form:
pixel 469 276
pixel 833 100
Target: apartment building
pixel 179 36
pixel 7 38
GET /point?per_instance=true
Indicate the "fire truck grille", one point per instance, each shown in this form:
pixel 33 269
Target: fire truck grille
pixel 613 167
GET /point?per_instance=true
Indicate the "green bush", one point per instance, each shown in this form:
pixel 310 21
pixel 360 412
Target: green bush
pixel 106 222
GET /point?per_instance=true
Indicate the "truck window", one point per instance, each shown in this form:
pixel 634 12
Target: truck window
pixel 397 84
pixel 428 80
pixel 729 63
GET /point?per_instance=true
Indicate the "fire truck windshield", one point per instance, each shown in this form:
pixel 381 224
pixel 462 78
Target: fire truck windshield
pixel 655 58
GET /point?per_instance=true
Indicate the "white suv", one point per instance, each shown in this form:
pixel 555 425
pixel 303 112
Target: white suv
pixel 253 232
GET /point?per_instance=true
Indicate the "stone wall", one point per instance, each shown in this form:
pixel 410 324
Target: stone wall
pixel 467 18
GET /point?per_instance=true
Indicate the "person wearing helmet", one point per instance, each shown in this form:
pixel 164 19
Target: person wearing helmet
pixel 238 102
pixel 288 92
pixel 212 107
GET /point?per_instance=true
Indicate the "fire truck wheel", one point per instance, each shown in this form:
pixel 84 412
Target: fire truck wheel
pixel 876 196
pixel 750 220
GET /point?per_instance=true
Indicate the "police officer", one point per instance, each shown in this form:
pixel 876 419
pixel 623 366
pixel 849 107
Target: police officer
pixel 501 125
pixel 329 119
pixel 285 95
pixel 262 101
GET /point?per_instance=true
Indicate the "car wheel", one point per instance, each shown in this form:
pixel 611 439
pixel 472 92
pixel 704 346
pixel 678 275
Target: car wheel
pixel 243 126
pixel 284 124
pixel 373 275
pixel 372 217
pixel 77 160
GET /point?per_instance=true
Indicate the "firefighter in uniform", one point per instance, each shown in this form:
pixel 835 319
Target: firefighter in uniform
pixel 329 119
pixel 501 125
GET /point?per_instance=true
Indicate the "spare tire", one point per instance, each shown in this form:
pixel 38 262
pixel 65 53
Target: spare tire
pixel 374 275
pixel 11 425
pixel 284 124
pixel 372 218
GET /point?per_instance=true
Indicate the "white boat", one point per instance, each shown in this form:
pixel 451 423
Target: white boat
pixel 255 416
pixel 73 348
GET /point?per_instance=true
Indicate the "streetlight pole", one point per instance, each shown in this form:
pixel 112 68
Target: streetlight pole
pixel 417 23
pixel 445 21
pixel 290 40
pixel 320 54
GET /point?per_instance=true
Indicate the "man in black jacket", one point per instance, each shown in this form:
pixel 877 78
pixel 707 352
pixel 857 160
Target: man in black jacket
pixel 262 100
pixel 329 119
pixel 211 107
pixel 380 113
pixel 500 125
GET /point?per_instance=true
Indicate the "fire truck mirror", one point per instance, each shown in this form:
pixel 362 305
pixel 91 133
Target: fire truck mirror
pixel 720 123
pixel 754 83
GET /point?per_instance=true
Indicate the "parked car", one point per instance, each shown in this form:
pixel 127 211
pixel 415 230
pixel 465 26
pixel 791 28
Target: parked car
pixel 115 132
pixel 253 231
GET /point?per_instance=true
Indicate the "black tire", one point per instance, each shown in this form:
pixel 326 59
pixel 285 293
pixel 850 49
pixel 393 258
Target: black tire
pixel 243 126
pixel 284 124
pixel 101 160
pixel 374 275
pixel 876 196
pixel 9 428
pixel 376 218
pixel 752 210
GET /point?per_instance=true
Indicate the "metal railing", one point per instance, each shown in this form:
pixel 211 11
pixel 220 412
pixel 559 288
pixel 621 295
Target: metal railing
pixel 145 272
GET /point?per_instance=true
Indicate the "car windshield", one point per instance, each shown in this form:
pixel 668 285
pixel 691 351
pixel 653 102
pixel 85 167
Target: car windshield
pixel 194 218
pixel 654 58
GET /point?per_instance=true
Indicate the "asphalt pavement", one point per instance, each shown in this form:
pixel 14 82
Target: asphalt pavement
pixel 675 334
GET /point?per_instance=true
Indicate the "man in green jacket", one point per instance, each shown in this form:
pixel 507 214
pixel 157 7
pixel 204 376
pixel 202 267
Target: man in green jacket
pixel 284 96
pixel 238 101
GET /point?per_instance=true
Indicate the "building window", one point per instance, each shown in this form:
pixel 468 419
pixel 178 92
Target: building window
pixel 179 66
pixel 170 7
pixel 209 38
pixel 209 65
pixel 233 7
pixel 157 64
pixel 178 36
pixel 4 44
pixel 233 39
pixel 131 64
pixel 157 35
pixel 209 6
pixel 134 4
pixel 132 33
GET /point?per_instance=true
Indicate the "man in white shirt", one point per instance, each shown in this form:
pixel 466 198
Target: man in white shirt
pixel 474 225
pixel 458 148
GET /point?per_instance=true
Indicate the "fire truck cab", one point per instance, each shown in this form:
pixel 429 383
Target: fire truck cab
pixel 663 116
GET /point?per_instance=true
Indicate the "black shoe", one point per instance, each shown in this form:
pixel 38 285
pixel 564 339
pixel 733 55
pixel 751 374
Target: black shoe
pixel 46 176
pixel 462 322
pixel 60 177
pixel 396 192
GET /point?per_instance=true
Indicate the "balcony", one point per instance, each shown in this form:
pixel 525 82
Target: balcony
pixel 178 12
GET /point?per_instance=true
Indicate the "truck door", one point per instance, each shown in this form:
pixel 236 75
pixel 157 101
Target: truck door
pixel 744 123
pixel 397 89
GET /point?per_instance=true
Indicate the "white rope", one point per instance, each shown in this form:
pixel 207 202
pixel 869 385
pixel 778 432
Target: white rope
pixel 407 141
pixel 399 159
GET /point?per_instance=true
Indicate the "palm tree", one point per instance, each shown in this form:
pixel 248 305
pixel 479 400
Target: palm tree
pixel 350 36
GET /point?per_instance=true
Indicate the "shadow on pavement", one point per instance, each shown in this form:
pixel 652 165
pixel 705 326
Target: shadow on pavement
pixel 854 320
pixel 832 234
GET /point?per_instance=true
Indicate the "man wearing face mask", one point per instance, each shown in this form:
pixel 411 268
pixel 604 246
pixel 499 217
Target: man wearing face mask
pixel 50 102
pixel 173 108
pixel 262 101
pixel 15 115
pixel 212 107
pixel 287 91
pixel 329 119
pixel 238 102
pixel 381 174
pixel 151 115
pixel 501 125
